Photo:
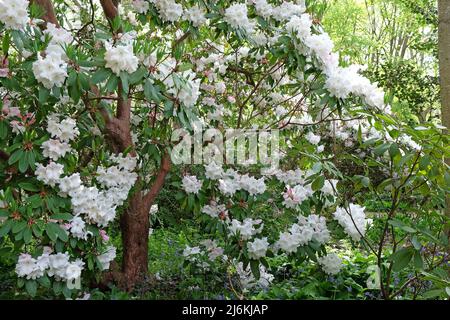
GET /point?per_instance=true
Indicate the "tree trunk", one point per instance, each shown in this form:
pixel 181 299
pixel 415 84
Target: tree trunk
pixel 135 225
pixel 444 70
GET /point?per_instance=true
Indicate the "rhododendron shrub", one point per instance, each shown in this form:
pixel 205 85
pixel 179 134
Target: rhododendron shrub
pixel 90 99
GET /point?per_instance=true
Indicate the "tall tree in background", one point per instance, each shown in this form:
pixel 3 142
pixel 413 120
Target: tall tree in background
pixel 444 68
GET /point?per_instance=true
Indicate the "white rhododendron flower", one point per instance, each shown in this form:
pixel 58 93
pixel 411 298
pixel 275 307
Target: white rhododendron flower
pixel 191 184
pixel 196 15
pixel 353 220
pixel 257 248
pixel 50 71
pixel 331 263
pixel 49 174
pixel 141 6
pixel 120 58
pixel 237 16
pixel 14 13
pixel 169 10
pixel 55 149
pixel 295 196
pixel 106 257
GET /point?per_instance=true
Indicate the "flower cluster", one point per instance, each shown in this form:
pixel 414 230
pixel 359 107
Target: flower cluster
pixel 295 196
pixel 257 248
pixel 331 263
pixel 64 132
pixel 247 228
pixel 13 13
pixel 232 181
pixel 307 229
pixel 236 16
pixel 50 71
pixel 169 10
pixel 191 184
pixel 57 265
pixel 120 58
pixel 141 6
pixel 353 220
pixel 106 257
pixel 215 211
pixel 248 281
pixel 196 15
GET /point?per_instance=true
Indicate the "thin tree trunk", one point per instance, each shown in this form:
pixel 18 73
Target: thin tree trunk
pixel 444 70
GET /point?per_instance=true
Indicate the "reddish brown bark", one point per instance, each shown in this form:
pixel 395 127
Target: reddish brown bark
pixel 49 12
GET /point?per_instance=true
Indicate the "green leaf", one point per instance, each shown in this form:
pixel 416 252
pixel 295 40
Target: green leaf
pixel 101 75
pixel 254 266
pixel 27 235
pixel 18 226
pixel 125 84
pixel 137 76
pixel 418 261
pixel 416 243
pixel 16 156
pixel 31 287
pixel 57 231
pixel 28 186
pixel 3 129
pixel 433 293
pixel 151 93
pixel 62 216
pixel 318 183
pixel 44 281
pixel 381 149
pixel 112 83
pixel 424 162
pixel 6 42
pixel 5 228
pixel 401 258
pixel 50 232
pixel 23 163
pixel 43 95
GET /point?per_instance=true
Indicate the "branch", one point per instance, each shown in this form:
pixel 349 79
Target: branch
pixel 110 9
pixel 4 155
pixel 49 12
pixel 159 181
